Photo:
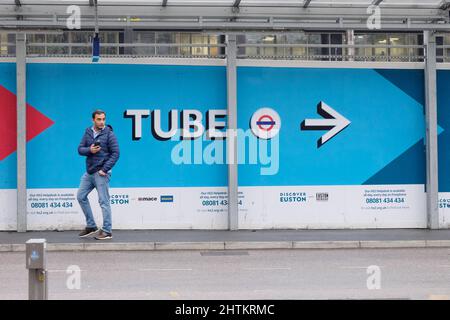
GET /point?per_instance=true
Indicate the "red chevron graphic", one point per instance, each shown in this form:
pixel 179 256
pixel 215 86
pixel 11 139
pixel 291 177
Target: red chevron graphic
pixel 36 123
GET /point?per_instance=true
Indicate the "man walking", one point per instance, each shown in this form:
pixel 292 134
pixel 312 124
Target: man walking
pixel 99 145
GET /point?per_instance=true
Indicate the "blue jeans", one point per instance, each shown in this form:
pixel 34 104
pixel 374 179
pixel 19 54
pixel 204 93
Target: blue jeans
pixel 87 184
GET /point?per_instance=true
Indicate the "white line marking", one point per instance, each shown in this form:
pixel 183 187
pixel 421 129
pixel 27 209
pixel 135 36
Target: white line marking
pixel 164 269
pixel 269 268
pixel 60 270
pixel 355 267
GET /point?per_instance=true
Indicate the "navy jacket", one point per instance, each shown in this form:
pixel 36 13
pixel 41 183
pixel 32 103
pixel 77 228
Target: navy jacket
pixel 108 155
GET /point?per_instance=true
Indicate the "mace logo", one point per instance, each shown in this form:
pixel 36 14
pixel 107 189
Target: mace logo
pixel 265 123
pixel 167 198
pixel 148 198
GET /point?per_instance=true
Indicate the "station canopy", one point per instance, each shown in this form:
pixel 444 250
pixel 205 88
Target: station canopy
pixel 229 15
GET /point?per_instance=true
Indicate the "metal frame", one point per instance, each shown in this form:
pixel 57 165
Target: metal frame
pixel 306 3
pixel 432 185
pixel 21 132
pixel 123 49
pixel 230 20
pixel 236 3
pixel 445 4
pixel 307 15
pixel 233 207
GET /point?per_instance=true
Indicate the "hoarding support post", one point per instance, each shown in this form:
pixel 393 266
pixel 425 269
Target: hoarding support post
pixel 431 131
pixel 233 209
pixel 21 52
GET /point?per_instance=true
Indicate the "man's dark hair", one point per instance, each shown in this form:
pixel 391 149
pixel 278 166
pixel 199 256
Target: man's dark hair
pixel 98 112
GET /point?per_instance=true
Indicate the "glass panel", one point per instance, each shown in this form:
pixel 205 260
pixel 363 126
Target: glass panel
pixel 411 39
pixel 165 37
pixel 82 50
pixel 81 36
pixel 314 52
pixel 447 39
pixel 185 38
pixel 396 53
pixel 325 52
pixel 3 43
pixel 199 39
pixel 415 54
pixel 281 51
pixel 214 51
pixel 362 54
pixel 447 50
pixel 108 39
pixel 297 38
pixel 147 37
pixel 12 39
pixel 252 51
pixel 379 52
pixel 336 52
pixel 177 40
pixel 58 38
pixel 439 49
pixel 144 37
pixel 240 39
pixel 36 39
pixel 268 51
pixel 57 50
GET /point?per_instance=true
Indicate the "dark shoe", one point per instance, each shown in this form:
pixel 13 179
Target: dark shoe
pixel 87 232
pixel 103 235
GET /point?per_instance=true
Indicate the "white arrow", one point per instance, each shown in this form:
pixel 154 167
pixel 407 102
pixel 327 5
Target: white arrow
pixel 334 122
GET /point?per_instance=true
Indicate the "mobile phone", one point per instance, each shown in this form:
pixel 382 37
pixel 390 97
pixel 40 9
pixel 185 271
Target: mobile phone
pixel 96 144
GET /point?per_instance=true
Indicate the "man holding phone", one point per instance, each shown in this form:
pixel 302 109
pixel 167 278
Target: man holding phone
pixel 99 145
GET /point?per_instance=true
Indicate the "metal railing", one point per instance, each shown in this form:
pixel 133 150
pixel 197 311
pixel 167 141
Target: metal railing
pixel 443 53
pixel 337 52
pixel 309 52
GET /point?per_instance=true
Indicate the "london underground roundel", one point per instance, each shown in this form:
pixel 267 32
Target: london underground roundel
pixel 265 123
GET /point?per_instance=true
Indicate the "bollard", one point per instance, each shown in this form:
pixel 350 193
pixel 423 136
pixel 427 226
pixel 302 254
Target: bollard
pixel 36 261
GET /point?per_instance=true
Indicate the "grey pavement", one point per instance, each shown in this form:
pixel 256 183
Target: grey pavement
pixel 240 239
pixel 237 274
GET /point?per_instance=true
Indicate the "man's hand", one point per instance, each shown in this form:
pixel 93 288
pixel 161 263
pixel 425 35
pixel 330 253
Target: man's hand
pixel 102 173
pixel 94 149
